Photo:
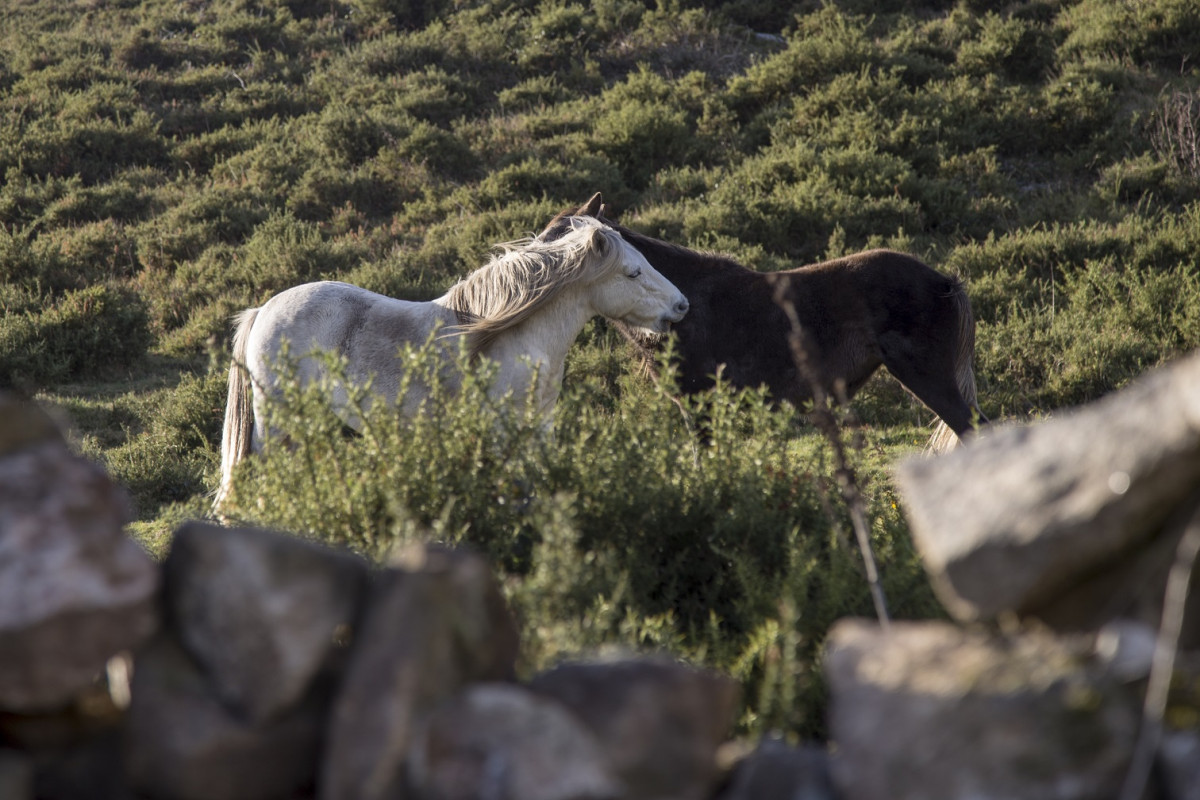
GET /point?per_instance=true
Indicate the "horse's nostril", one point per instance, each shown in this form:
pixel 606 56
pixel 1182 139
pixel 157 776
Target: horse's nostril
pixel 682 306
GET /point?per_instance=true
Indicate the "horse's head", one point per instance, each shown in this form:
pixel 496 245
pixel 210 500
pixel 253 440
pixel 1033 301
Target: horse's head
pixel 630 291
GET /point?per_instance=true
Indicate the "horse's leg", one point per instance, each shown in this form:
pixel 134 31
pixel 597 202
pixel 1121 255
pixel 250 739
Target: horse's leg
pixel 928 370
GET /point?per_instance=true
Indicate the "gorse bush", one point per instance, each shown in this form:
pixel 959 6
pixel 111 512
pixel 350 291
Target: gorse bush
pixel 92 332
pixel 167 455
pixel 672 537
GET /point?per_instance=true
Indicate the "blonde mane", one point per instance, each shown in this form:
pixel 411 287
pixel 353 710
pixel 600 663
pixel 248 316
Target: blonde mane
pixel 528 274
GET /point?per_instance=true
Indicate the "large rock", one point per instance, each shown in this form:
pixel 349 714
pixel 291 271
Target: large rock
pixel 1179 763
pixel 90 769
pixel 775 771
pixel 1073 520
pixel 660 722
pixel 74 590
pixel 260 611
pixel 437 621
pixel 183 743
pixel 930 711
pixel 504 742
pixel 16 775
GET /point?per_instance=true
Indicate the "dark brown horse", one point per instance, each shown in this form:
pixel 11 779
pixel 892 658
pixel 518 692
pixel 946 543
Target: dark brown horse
pixel 859 312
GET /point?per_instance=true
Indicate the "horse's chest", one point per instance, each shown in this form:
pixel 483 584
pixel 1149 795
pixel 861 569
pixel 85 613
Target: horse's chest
pixel 742 351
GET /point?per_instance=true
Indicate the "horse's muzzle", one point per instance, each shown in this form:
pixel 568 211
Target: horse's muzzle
pixel 677 313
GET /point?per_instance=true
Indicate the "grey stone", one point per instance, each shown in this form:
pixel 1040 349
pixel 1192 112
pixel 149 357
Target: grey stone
pixel 1127 649
pixel 16 775
pixel 1179 761
pixel 89 769
pixel 91 713
pixel 260 611
pixel 504 742
pixel 74 590
pixel 659 721
pixel 775 771
pixel 1070 520
pixel 437 621
pixel 183 743
pixel 930 711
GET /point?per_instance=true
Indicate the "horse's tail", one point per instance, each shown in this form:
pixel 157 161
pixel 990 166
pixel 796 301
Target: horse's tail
pixel 944 438
pixel 237 436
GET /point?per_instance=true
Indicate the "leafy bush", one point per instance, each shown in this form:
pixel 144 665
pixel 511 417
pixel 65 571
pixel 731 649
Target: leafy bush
pixel 100 330
pixel 167 455
pixel 1014 47
pixel 664 537
pixel 1165 32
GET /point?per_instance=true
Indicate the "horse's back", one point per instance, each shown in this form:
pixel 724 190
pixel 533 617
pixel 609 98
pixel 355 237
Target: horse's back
pixel 364 327
pixel 331 315
pixel 886 290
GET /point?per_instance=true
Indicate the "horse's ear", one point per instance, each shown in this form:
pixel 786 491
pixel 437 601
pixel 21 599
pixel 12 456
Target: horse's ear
pixel 599 241
pixel 592 208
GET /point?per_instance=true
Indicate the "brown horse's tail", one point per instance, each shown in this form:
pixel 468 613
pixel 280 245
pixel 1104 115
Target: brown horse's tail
pixel 238 433
pixel 944 438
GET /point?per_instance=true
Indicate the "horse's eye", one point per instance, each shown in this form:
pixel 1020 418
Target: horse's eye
pixel 635 274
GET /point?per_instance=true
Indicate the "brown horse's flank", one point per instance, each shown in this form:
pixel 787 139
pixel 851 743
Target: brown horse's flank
pixel 860 312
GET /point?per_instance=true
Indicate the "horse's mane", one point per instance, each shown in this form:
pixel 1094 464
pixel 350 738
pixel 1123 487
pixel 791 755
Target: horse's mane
pixel 709 260
pixel 526 275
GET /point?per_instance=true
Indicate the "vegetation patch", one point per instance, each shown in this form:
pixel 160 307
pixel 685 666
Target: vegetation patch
pixel 166 165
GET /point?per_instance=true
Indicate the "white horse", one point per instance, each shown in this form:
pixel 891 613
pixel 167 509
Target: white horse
pixel 522 310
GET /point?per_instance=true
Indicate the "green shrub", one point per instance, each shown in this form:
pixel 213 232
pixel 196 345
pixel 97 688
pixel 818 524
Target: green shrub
pixel 284 252
pixel 143 49
pixel 23 197
pixel 563 183
pixel 442 152
pixel 529 94
pixel 350 136
pixel 100 330
pixel 170 452
pixel 790 200
pixel 1147 180
pixel 95 150
pixel 26 261
pixel 663 538
pixel 375 191
pixel 129 198
pixel 1070 313
pixel 1011 46
pixel 823 45
pixel 1162 32
pixel 408 13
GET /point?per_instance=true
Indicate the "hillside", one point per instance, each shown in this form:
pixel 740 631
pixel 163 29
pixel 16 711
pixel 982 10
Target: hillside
pixel 167 164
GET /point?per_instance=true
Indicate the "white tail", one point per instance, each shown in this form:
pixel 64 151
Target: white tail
pixel 943 438
pixel 237 436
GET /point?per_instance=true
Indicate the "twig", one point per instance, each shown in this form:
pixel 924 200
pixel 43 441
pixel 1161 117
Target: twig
pixel 828 425
pixel 1163 664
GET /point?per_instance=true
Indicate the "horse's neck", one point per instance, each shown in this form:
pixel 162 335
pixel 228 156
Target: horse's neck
pixel 537 348
pixel 680 266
